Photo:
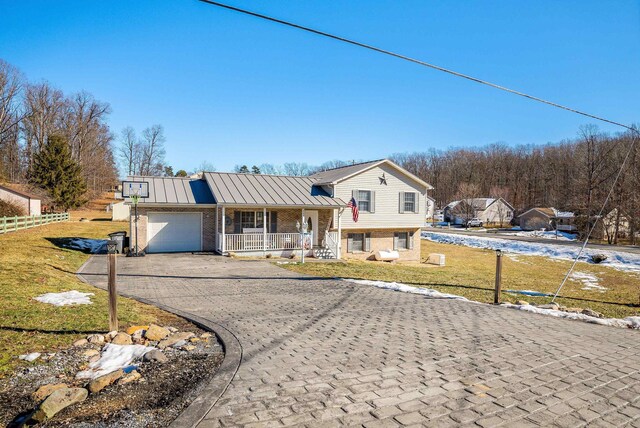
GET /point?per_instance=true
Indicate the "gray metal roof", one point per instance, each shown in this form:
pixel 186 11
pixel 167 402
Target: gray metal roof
pixel 268 190
pixel 336 175
pixel 175 190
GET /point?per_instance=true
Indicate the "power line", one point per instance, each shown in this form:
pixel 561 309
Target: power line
pixel 413 60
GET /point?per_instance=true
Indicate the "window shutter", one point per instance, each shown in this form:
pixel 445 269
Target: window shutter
pixel 350 243
pixel 401 203
pixel 395 240
pixel 237 222
pixel 367 241
pixel 274 221
pixel 372 204
pixel 416 206
pixel 354 195
pixel 410 238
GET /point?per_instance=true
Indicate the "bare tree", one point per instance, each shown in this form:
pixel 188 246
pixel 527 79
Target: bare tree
pixel 153 152
pixel 11 111
pixel 130 150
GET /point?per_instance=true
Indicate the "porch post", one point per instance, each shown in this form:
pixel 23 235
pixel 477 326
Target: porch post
pixel 222 248
pixel 339 255
pixel 303 237
pixel 264 231
pixel 217 219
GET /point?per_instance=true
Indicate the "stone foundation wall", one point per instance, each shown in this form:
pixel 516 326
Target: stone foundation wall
pixel 381 239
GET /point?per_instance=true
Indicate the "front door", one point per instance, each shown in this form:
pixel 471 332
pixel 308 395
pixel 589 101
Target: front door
pixel 312 225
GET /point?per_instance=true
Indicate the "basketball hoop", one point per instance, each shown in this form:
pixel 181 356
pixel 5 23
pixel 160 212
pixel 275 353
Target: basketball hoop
pixel 135 190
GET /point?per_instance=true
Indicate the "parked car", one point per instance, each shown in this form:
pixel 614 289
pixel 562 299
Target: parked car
pixel 474 222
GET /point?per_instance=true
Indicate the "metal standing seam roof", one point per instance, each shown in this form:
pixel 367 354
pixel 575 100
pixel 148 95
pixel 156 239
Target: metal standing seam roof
pixel 175 190
pixel 269 190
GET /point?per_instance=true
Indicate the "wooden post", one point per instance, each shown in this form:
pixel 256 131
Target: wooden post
pixel 113 303
pixel 496 297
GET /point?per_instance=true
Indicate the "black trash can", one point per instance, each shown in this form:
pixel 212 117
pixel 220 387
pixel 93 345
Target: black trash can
pixel 119 237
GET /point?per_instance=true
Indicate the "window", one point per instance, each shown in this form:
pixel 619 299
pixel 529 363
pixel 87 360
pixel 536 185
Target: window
pixel 358 242
pixel 409 202
pixel 402 241
pixel 253 219
pixel 364 200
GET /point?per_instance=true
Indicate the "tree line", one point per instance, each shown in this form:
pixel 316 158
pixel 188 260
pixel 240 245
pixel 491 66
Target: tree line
pixel 572 175
pixel 32 113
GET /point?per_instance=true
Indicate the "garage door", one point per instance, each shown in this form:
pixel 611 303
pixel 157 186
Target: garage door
pixel 174 232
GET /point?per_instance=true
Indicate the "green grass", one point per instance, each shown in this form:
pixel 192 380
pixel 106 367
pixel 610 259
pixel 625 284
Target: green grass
pixel 470 272
pixel 31 265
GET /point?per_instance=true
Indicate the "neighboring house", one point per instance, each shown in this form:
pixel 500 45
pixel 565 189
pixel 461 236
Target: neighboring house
pixel 20 196
pixel 612 223
pixel 488 210
pixel 542 218
pixel 430 208
pixel 256 214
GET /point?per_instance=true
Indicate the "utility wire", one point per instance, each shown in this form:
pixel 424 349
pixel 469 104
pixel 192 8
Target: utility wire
pixel 634 131
pixel 413 60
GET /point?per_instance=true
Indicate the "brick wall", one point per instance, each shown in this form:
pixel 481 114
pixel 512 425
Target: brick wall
pixel 382 239
pixel 208 225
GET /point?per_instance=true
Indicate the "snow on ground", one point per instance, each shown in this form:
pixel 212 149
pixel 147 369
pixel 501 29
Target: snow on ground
pixel 560 236
pixel 616 259
pixel 589 282
pixel 91 245
pixel 398 286
pixel 629 322
pixel 72 297
pixel 114 357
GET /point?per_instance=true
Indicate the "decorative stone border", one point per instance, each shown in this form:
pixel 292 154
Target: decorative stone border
pixel 202 404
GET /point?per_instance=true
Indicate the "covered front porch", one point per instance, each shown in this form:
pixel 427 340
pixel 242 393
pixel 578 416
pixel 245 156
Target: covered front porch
pixel 276 231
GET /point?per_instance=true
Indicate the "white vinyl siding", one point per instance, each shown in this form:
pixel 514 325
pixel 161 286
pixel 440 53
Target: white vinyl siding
pixel 384 199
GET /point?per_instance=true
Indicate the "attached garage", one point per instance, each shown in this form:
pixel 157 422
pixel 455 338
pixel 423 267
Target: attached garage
pixel 169 232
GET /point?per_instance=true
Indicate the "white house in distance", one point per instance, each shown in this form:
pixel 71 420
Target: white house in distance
pixel 258 214
pixel 17 195
pixel 488 210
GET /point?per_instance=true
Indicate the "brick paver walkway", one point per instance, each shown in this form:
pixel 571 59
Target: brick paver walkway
pixel 325 352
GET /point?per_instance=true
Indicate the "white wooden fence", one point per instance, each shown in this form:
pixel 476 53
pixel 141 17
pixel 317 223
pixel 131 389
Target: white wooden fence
pixel 12 224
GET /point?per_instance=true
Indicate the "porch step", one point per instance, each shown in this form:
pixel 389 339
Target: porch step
pixel 323 253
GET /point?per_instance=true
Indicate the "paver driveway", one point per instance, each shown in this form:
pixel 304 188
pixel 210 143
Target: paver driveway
pixel 325 352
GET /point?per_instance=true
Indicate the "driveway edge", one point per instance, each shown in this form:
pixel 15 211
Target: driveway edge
pixel 217 386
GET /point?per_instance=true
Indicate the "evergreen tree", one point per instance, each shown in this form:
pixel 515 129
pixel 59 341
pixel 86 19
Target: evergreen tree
pixel 255 169
pixel 243 169
pixel 55 171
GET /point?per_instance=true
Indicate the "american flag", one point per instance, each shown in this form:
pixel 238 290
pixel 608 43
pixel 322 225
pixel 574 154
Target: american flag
pixel 354 209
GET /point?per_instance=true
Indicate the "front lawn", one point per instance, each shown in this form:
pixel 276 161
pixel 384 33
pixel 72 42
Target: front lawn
pixel 30 265
pixel 470 272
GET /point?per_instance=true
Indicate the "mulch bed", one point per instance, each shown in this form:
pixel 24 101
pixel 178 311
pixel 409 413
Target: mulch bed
pixel 164 391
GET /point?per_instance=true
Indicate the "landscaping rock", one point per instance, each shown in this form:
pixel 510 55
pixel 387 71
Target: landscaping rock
pixel 189 347
pixel 156 333
pixel 553 306
pixel 59 400
pixel 80 342
pixel 94 358
pixel 131 330
pixel 131 377
pixel 172 329
pixel 91 352
pixel 46 390
pixel 30 357
pixel 96 338
pixel 155 355
pixel 522 302
pixel 574 310
pixel 109 336
pixel 194 339
pixel 205 335
pixel 122 339
pixel 598 258
pixel 592 313
pixel 102 382
pixel 175 338
pixel 137 338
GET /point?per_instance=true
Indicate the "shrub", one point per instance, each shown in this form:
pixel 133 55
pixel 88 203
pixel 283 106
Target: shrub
pixel 9 209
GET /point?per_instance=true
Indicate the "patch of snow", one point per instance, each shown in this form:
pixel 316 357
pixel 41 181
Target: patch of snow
pixel 590 282
pixel 629 322
pixel 93 246
pixel 547 234
pixel 72 297
pixel 114 357
pixel 529 293
pixel 619 260
pixel 30 357
pixel 404 288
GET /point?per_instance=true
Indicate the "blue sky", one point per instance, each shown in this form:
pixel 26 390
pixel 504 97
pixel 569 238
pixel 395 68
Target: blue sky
pixel 230 89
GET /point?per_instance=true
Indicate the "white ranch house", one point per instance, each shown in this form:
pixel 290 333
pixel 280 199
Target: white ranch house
pixel 257 214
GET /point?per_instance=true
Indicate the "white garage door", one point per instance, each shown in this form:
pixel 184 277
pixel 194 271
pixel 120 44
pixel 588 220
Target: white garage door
pixel 173 232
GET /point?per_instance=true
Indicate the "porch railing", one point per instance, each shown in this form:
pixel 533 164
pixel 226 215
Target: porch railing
pixel 256 241
pixel 331 241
